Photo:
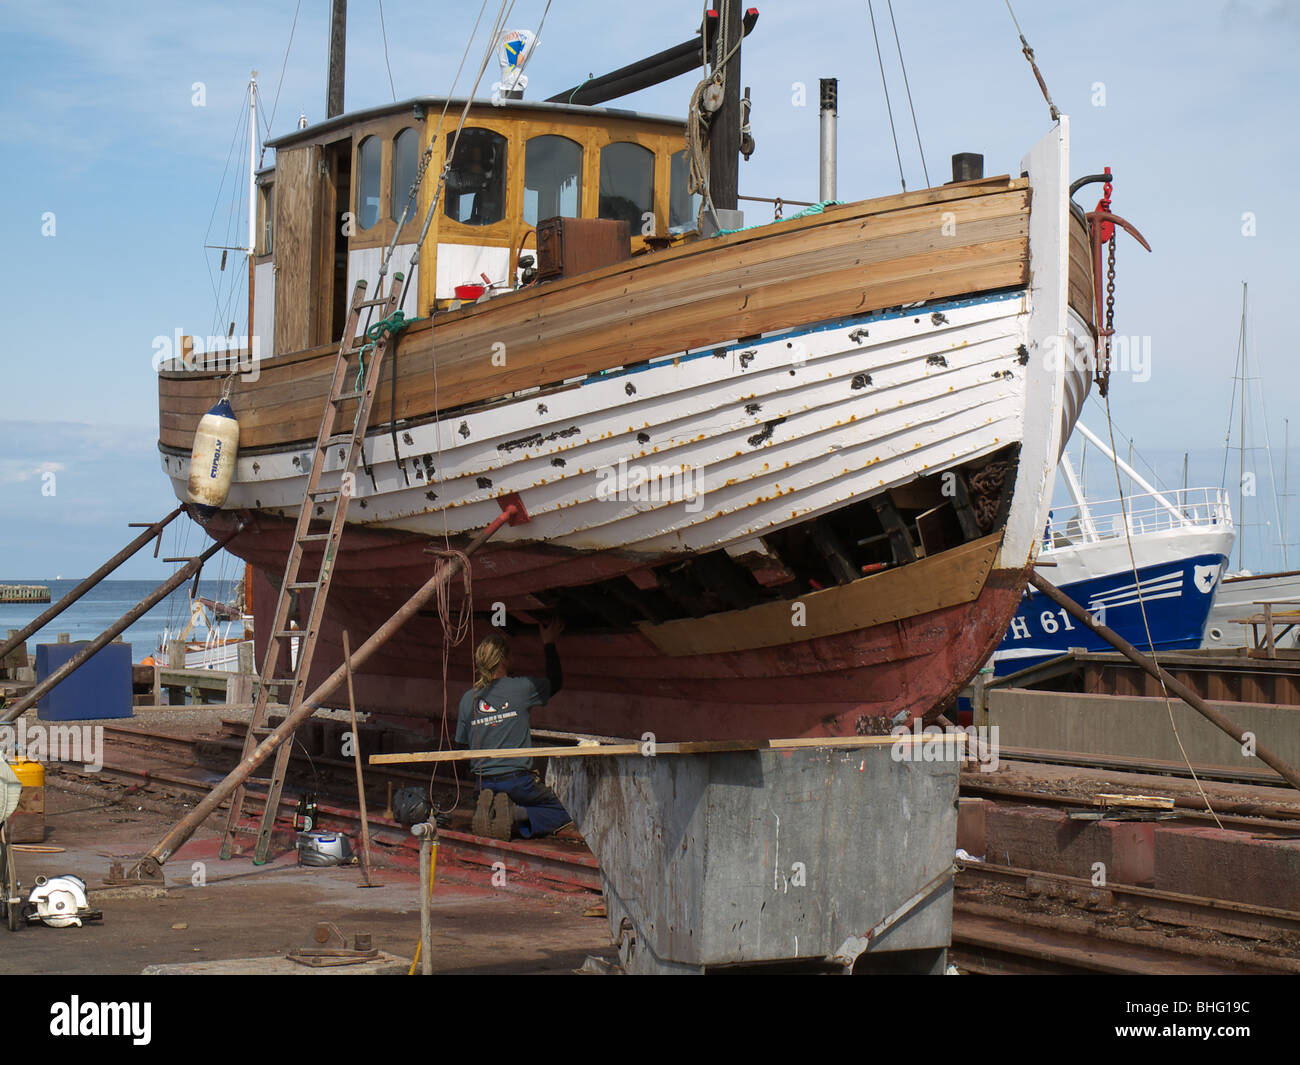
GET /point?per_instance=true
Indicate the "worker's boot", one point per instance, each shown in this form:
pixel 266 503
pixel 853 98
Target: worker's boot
pixel 482 824
pixel 504 814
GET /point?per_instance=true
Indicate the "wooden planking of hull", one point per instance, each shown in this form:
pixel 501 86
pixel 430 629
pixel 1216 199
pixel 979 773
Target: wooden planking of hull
pixel 785 399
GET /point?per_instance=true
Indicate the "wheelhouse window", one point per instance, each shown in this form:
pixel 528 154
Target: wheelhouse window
pixel 475 193
pixel 406 151
pixel 552 178
pixel 265 211
pixel 683 205
pixel 368 153
pixel 627 183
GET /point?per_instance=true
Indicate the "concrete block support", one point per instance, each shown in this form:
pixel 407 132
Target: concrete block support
pixel 718 860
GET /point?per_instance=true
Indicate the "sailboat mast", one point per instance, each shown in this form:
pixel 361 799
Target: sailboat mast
pixel 1241 440
pixel 252 202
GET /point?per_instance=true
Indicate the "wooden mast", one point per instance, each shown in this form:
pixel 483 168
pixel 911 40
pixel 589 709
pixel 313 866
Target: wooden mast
pixel 338 35
pixel 724 127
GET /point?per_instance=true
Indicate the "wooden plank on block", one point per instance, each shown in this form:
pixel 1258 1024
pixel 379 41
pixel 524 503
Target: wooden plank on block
pixel 600 750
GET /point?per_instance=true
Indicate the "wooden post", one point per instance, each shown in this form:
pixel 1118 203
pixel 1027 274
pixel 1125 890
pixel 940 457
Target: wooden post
pixel 356 753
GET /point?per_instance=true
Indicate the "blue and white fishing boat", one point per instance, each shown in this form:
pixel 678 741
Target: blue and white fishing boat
pixel 1180 541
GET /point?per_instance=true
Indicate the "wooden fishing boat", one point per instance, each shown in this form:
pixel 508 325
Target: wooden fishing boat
pixel 781 481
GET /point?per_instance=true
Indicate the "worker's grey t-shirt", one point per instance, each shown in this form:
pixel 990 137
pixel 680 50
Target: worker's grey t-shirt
pixel 497 717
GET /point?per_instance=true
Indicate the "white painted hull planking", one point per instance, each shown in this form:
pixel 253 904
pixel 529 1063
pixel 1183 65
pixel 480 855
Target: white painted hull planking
pixel 762 436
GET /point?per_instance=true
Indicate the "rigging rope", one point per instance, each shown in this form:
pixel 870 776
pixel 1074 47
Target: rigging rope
pixel 283 67
pixel 924 169
pixel 888 109
pixel 1146 625
pixel 384 31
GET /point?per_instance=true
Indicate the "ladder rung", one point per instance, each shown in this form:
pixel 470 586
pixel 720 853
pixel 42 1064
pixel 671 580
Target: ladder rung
pixel 373 303
pixel 322 493
pixel 336 439
pixel 280 682
pixel 300 586
pixel 344 397
pixel 309 537
pixel 290 632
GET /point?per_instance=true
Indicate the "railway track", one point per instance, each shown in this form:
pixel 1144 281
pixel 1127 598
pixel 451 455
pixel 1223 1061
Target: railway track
pixel 1008 920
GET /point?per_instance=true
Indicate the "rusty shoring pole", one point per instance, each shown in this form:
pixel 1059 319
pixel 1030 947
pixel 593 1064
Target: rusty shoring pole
pixel 149 867
pixel 120 625
pixel 90 582
pixel 1171 684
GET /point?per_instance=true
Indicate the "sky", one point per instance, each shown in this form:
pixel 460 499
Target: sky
pixel 118 123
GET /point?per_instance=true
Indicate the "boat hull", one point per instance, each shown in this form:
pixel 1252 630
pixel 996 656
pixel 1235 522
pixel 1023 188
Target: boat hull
pixel 859 681
pixel 1165 608
pixel 821 419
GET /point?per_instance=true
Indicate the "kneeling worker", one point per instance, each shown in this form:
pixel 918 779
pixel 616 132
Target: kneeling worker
pixel 495 715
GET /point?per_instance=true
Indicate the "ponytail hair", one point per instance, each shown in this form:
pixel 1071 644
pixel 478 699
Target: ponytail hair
pixel 489 655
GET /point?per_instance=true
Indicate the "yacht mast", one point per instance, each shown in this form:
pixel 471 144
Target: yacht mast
pixel 252 202
pixel 1241 439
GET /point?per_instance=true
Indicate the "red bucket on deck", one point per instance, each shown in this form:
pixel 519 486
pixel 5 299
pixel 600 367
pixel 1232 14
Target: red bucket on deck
pixel 470 292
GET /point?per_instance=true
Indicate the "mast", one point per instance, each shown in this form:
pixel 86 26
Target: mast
pixel 338 42
pixel 1241 440
pixel 252 202
pixel 724 127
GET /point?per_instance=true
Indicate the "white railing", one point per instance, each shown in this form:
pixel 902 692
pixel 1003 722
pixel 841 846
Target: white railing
pixel 1147 512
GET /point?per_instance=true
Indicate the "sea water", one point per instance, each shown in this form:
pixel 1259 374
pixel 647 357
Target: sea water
pixel 105 603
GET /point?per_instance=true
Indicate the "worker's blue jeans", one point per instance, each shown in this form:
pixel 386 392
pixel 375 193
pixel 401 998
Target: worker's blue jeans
pixel 545 811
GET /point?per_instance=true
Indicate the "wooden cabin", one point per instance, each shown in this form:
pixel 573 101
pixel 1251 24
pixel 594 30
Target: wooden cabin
pixel 329 208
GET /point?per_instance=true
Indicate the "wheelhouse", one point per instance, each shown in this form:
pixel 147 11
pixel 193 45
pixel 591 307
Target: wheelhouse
pixel 335 198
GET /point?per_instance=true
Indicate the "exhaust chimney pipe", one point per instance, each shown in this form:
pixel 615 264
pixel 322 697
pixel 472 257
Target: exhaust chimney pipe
pixel 967 166
pixel 830 100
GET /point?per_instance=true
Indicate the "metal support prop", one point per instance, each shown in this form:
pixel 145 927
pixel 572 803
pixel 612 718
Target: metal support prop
pixel 81 589
pixel 427 832
pixel 1172 684
pixel 149 867
pixel 120 625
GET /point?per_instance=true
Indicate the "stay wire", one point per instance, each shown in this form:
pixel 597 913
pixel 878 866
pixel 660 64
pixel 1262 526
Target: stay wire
pixel 888 109
pixel 924 169
pixel 383 30
pixel 1146 624
pixel 283 67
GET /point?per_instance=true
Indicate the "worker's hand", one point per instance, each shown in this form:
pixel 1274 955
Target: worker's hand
pixel 551 630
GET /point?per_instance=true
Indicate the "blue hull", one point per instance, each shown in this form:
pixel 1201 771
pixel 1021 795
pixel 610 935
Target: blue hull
pixel 1177 596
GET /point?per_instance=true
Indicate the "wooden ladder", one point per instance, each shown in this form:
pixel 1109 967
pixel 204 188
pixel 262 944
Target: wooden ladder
pixel 272 681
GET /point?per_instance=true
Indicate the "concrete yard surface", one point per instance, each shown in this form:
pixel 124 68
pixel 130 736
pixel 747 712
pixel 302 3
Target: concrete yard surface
pixel 215 911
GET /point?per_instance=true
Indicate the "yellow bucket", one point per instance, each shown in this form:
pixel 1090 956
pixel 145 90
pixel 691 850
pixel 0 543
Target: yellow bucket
pixel 27 823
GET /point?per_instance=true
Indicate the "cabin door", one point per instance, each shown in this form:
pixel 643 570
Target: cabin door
pixel 338 223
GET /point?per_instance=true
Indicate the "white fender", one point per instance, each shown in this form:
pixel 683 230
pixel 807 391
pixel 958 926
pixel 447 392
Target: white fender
pixel 212 462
